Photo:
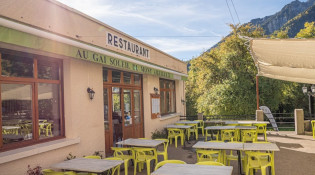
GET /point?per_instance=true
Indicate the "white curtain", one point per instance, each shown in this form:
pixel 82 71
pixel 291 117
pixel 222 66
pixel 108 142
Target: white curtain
pixel 285 59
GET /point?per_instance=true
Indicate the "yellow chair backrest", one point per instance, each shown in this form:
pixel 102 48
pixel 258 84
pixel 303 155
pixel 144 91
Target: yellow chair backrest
pixel 113 158
pixel 168 161
pixel 52 172
pixel 249 135
pixel 46 171
pixel 257 159
pixel 92 157
pixel 208 155
pixel 124 153
pixel 243 124
pixel 261 127
pixel 143 154
pixel 201 123
pixel 174 131
pixel 210 163
pixel 228 135
pixel 165 143
pixel 116 168
pixel 180 124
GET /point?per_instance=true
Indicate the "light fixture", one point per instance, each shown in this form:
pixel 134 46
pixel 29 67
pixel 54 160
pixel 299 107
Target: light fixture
pixel 308 91
pixel 91 93
pixel 183 101
pixel 304 89
pixel 156 90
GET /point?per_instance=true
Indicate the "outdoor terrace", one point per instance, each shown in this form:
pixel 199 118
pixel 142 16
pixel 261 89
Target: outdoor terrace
pixel 296 155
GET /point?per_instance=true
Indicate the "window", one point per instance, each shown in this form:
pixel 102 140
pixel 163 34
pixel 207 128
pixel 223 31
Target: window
pixel 168 96
pixel 30 99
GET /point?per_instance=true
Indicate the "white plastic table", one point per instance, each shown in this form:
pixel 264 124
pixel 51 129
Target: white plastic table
pixel 87 165
pixel 190 169
pixel 140 142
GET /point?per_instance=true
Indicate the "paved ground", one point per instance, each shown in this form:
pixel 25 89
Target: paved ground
pixel 296 155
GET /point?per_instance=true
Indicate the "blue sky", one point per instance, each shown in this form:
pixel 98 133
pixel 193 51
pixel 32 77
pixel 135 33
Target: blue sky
pixel 152 20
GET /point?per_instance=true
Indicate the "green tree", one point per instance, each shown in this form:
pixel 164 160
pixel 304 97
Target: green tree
pixel 222 81
pixel 308 31
pixel 281 34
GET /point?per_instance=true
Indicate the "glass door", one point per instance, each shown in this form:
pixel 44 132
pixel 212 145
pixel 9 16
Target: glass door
pixel 137 113
pixel 128 114
pixel 117 115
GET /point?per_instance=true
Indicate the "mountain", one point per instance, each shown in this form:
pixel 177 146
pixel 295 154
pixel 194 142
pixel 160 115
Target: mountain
pixel 291 17
pixel 297 23
pixel 276 21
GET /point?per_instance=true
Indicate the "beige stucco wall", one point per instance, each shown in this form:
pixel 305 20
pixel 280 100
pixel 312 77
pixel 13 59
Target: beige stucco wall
pixel 55 17
pixel 83 118
pixel 150 125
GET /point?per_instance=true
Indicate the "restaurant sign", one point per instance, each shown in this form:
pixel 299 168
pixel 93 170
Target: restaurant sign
pixel 111 61
pixel 23 39
pixel 127 45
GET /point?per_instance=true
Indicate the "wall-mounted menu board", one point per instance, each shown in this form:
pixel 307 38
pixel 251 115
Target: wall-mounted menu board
pixel 155 106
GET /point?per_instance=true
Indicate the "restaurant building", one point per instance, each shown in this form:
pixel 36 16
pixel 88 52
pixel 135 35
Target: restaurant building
pixel 72 84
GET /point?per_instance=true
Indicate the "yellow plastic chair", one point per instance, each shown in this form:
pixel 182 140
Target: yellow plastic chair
pixel 116 168
pixel 229 157
pixel 187 131
pixel 126 154
pixel 168 161
pixel 164 151
pixel 215 133
pixel 313 128
pixel 228 135
pixel 142 157
pixel 92 157
pixel 201 126
pixel 259 160
pixel 262 129
pixel 46 171
pixel 174 133
pixel 249 135
pixel 193 130
pixel 208 155
pixel 210 163
pixel 52 172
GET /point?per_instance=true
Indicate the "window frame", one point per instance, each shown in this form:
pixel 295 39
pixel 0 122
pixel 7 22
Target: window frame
pixel 34 81
pixel 164 103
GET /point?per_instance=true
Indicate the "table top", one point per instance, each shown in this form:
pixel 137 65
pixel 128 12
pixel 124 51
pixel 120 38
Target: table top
pixel 179 126
pixel 141 142
pixel 214 121
pixel 261 147
pixel 245 122
pixel 87 165
pixel 219 145
pixel 188 122
pixel 11 127
pixel 245 127
pixel 219 127
pixel 190 169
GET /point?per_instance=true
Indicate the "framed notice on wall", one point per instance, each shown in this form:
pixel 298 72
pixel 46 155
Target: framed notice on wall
pixel 155 106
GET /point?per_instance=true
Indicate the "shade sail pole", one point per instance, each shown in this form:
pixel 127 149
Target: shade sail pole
pixel 257 92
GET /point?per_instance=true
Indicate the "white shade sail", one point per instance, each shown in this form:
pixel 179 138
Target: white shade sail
pixel 285 59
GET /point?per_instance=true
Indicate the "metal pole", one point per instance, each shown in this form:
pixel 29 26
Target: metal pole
pixel 310 105
pixel 257 92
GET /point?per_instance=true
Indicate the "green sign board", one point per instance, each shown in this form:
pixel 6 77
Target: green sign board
pixel 23 39
pixel 118 63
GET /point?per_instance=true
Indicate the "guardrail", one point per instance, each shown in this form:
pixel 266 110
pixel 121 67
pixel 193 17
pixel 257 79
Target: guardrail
pixel 285 121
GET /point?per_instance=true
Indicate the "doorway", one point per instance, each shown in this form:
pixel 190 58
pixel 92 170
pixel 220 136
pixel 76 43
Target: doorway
pixel 123 114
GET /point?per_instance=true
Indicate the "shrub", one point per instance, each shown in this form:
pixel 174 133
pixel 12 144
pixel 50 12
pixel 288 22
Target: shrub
pixel 159 134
